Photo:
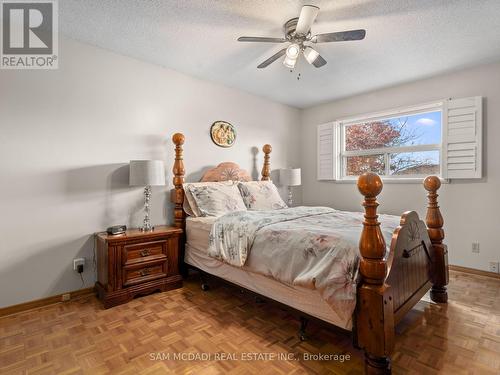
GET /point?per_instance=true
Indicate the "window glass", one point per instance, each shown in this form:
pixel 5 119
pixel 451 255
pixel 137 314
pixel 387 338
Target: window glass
pixel 410 144
pixel 357 165
pixel 419 129
pixel 414 163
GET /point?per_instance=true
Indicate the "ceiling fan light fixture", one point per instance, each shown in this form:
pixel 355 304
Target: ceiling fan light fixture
pixel 293 51
pixel 310 54
pixel 289 63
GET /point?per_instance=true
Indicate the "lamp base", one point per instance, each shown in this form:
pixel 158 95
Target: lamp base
pixel 290 198
pixel 146 223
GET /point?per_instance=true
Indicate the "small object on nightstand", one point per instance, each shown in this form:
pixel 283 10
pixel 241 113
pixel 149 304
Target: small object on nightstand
pixel 290 177
pixel 116 229
pixel 137 263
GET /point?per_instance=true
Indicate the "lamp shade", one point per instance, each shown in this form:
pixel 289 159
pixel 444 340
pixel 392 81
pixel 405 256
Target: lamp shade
pixel 310 54
pixel 147 172
pixel 290 177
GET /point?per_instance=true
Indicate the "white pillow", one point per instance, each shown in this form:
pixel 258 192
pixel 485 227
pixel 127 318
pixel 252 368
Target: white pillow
pixel 261 195
pixel 215 198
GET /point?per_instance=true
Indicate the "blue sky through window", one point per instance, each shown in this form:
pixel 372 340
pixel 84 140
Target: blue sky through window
pixel 426 126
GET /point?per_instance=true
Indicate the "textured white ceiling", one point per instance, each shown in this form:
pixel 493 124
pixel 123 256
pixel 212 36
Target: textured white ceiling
pixel 406 40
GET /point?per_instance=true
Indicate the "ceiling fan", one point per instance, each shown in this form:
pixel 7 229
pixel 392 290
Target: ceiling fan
pixel 298 34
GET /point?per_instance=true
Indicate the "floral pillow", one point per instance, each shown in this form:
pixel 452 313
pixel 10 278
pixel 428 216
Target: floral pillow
pixel 261 195
pixel 216 199
pixel 189 205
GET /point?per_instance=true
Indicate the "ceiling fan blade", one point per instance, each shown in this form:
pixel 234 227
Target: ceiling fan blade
pixel 341 36
pixel 307 16
pixel 272 59
pixel 261 39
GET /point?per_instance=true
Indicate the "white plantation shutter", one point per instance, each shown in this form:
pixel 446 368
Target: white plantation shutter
pixel 462 138
pixel 327 151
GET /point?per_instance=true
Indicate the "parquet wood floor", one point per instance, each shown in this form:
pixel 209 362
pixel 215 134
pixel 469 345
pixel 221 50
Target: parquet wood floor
pixel 80 337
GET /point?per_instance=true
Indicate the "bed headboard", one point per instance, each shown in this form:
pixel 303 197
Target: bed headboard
pixel 224 171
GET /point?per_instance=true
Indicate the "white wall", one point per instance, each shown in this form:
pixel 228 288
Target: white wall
pixel 66 136
pixel 470 208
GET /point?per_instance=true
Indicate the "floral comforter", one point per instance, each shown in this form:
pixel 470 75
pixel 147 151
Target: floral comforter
pixel 311 247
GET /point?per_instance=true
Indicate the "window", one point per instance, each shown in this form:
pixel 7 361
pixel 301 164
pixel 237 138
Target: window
pixel 408 145
pixel 442 138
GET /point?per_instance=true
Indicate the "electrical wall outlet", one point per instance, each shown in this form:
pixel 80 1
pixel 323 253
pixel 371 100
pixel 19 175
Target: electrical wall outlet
pixel 77 262
pixel 494 267
pixel 65 297
pixel 475 247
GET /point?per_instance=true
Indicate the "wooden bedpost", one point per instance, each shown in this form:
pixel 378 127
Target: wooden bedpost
pixel 266 169
pixel 178 180
pixel 434 221
pixel 374 311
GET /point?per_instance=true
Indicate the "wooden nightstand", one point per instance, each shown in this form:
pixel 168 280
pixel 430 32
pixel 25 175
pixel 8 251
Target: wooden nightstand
pixel 137 263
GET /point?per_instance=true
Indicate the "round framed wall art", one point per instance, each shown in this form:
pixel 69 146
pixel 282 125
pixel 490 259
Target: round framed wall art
pixel 223 133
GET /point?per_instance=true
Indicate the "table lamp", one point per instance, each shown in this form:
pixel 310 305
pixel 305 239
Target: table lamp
pixel 147 173
pixel 290 177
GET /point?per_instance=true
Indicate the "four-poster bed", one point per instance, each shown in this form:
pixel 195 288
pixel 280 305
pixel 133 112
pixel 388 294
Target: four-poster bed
pixel 390 283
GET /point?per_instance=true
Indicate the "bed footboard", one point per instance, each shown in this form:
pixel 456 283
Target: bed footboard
pixel 393 283
pixel 410 264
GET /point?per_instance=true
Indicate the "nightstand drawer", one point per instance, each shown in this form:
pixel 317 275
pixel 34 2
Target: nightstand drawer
pixel 144 252
pixel 143 273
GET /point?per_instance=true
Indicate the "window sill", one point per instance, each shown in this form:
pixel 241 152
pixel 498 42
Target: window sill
pixel 416 180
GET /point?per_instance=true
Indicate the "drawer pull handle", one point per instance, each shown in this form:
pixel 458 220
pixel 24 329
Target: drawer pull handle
pixel 145 272
pixel 145 253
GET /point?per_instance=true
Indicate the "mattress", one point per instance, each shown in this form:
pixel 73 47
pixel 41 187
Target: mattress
pixel 307 300
pixel 198 230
